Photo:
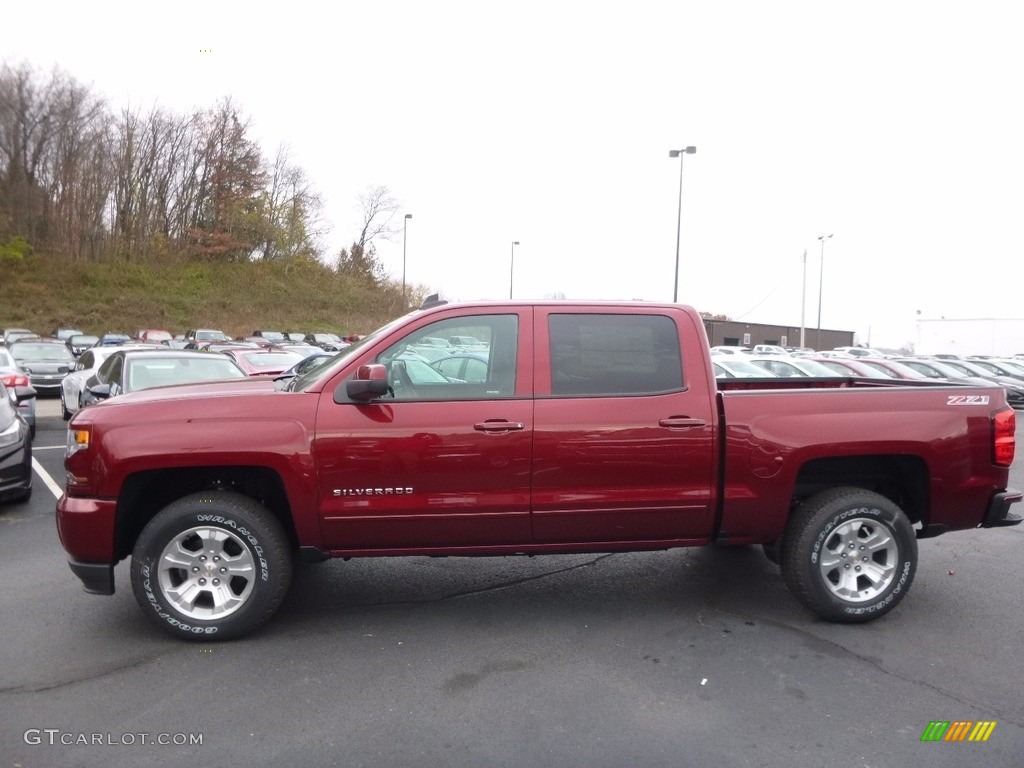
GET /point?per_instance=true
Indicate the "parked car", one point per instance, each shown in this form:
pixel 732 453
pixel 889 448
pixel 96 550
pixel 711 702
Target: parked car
pixel 463 366
pixel 940 370
pixel 735 367
pixel 154 336
pixel 1013 385
pixel 849 367
pixel 19 388
pixel 46 361
pixel 308 363
pixel 220 346
pixel 727 350
pixel 78 343
pixel 793 366
pixel 113 339
pixel 295 337
pixel 63 334
pixel 892 368
pixel 769 349
pixel 15 448
pixel 13 334
pixel 328 341
pixel 861 352
pixel 132 370
pixel 274 337
pixel 72 386
pixel 260 362
pixel 197 335
pixel 302 348
pixel 1000 367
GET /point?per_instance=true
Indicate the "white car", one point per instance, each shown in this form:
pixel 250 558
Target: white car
pixel 730 350
pixel 71 385
pixel 769 349
pixel 735 367
pixel 861 352
pixel 793 366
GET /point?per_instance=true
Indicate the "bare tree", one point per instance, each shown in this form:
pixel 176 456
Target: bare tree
pixel 292 212
pixel 378 207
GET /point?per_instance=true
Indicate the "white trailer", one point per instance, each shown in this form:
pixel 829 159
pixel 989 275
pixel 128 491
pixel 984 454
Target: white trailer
pixel 1002 337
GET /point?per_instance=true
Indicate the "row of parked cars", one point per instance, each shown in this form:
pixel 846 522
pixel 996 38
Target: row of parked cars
pixel 82 369
pixel 861 362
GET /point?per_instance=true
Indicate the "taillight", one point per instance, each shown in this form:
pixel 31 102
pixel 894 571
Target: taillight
pixel 12 380
pixel 1004 426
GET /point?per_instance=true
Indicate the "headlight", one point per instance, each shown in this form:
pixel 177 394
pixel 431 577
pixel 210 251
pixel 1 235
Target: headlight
pixel 78 440
pixel 12 434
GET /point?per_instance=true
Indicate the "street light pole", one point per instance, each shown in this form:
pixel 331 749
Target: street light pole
pixel 821 283
pixel 679 219
pixel 405 235
pixel 803 302
pixel 512 268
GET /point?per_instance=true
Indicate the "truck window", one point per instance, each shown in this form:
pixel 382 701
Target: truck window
pixel 614 354
pixel 425 366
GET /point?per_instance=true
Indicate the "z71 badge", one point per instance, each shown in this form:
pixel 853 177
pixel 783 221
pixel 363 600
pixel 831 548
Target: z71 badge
pixel 967 400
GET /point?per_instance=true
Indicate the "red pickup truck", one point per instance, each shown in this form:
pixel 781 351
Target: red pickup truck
pixel 568 428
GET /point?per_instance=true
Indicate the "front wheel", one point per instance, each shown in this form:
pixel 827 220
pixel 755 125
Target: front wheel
pixel 211 566
pixel 64 412
pixel 849 554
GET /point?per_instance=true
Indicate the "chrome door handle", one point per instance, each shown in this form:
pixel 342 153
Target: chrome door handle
pixel 499 426
pixel 681 422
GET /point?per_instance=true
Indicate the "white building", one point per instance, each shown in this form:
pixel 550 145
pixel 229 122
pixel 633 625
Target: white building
pixel 974 336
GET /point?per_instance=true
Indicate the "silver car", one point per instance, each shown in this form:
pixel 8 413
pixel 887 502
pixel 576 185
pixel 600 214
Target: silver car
pixel 46 361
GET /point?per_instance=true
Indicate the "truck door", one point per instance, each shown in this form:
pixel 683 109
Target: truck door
pixel 624 428
pixel 442 461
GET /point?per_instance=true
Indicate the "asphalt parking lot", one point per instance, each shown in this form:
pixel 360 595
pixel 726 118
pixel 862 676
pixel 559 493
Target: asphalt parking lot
pixel 685 658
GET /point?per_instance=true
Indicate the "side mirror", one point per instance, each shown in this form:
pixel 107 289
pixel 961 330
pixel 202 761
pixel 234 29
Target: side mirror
pixel 369 383
pixel 21 394
pixel 100 391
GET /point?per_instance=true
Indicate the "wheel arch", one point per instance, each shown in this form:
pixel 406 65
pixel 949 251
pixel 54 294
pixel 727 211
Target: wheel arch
pixel 903 479
pixel 145 493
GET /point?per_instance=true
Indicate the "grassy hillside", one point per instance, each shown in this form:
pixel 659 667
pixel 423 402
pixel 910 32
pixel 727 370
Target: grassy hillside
pixel 43 293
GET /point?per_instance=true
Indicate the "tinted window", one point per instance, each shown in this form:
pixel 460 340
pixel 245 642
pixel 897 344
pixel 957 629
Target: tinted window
pixel 614 355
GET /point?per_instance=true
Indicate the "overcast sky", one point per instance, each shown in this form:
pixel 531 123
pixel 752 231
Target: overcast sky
pixel 896 126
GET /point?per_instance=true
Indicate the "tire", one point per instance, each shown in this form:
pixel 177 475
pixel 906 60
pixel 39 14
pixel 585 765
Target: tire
pixel 64 412
pixel 185 550
pixel 816 558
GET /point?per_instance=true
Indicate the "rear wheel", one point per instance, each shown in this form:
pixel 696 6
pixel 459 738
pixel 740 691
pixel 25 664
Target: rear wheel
pixel 63 406
pixel 849 554
pixel 211 566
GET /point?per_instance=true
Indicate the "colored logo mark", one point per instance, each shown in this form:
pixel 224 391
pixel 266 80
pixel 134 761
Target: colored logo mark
pixel 958 730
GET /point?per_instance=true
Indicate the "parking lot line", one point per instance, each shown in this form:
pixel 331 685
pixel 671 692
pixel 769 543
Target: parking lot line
pixel 55 489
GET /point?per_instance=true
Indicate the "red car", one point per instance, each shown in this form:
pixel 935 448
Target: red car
pixel 260 362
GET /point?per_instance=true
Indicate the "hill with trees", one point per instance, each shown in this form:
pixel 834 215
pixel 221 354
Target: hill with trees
pixel 123 219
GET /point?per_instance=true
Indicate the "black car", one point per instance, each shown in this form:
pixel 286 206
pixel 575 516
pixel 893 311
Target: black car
pixel 15 450
pixel 81 342
pixel 330 342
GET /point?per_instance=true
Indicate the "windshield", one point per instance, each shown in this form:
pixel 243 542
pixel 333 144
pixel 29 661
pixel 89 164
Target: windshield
pixel 41 352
